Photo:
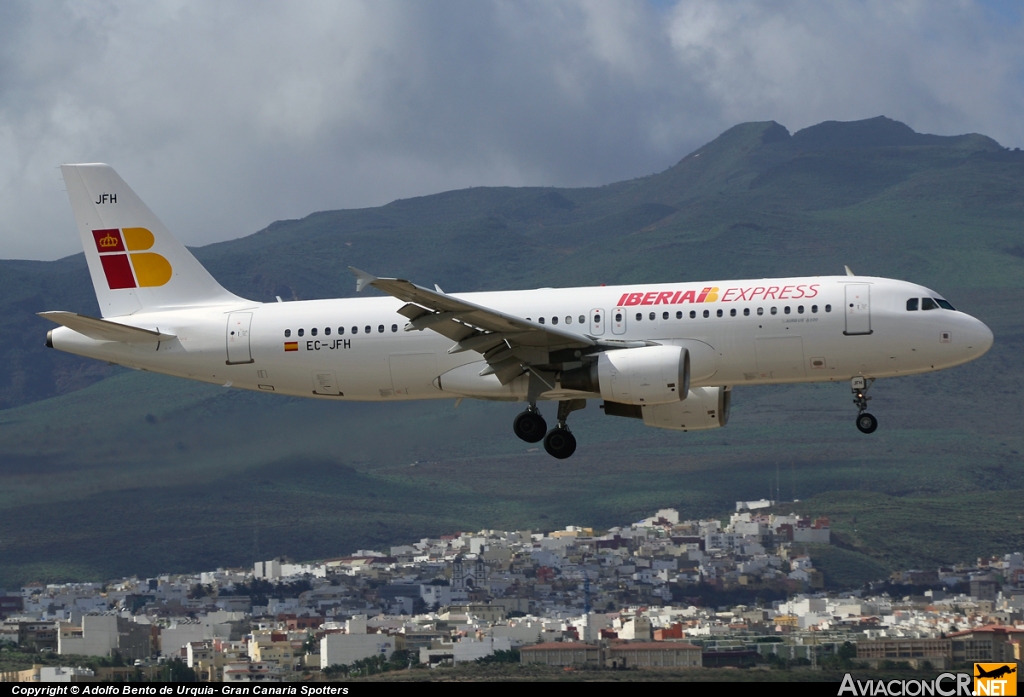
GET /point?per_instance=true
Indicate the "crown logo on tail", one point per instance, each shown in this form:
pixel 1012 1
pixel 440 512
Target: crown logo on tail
pixel 108 242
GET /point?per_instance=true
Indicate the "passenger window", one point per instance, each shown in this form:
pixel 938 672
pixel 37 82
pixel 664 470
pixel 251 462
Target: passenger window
pixel 760 311
pixel 355 330
pixel 828 308
pixel 327 331
pixel 583 318
pixel 912 305
pixel 651 316
pixel 367 329
pixel 814 309
pixel 746 312
pixel 800 309
pixel 775 310
pixel 301 332
pixel 786 309
pixel 944 304
pixel 312 332
pixel 287 333
pixel 664 315
pixel 707 313
pixel 732 312
pixel 618 316
pixel 380 329
pixel 719 313
pixel 639 316
pixel 679 314
pixel 341 331
pixel 597 319
pixel 394 328
pixel 693 314
pixel 568 319
pixel 541 320
pixel 554 320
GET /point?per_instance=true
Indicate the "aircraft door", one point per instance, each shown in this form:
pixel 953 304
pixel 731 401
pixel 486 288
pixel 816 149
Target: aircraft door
pixel 619 320
pixel 597 322
pixel 238 338
pixel 858 309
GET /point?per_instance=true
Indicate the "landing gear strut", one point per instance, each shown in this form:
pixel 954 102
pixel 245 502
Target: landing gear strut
pixel 530 425
pixel 866 423
pixel 559 442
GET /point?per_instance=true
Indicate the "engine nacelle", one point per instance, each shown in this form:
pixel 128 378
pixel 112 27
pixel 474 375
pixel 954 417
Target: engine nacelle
pixel 703 408
pixel 645 375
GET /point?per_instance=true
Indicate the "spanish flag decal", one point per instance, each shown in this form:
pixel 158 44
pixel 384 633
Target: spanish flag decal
pixel 291 346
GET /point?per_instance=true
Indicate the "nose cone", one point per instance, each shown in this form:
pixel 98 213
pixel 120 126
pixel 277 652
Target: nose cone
pixel 979 339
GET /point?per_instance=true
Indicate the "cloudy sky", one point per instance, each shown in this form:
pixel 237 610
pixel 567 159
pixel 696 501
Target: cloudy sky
pixel 225 116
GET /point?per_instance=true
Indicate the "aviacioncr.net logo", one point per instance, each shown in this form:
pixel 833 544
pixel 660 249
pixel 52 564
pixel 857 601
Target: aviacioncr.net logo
pixel 995 679
pixel 126 263
pixel 946 685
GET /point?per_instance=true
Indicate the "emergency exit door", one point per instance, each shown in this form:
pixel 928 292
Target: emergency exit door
pixel 619 320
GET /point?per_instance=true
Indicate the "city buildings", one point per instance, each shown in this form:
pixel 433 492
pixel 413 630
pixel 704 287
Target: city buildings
pixel 628 597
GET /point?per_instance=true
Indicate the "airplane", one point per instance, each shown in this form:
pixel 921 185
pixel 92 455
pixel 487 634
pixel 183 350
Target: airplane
pixel 1005 669
pixel 668 354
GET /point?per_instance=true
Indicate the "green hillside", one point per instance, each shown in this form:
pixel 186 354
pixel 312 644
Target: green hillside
pixel 105 471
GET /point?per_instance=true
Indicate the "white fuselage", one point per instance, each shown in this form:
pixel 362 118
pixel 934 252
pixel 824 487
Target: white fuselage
pixel 764 331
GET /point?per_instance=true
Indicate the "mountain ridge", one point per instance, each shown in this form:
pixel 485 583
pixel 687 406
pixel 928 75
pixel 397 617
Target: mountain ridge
pixel 93 457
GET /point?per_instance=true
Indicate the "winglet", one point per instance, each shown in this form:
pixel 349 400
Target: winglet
pixel 363 279
pixel 848 272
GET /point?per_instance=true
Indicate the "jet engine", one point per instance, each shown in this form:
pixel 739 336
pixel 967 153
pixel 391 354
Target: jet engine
pixel 644 375
pixel 703 408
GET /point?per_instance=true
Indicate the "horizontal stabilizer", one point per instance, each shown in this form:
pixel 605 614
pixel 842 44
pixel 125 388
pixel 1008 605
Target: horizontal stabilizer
pixel 105 330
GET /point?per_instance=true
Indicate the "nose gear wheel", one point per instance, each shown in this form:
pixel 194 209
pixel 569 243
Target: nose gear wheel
pixel 866 423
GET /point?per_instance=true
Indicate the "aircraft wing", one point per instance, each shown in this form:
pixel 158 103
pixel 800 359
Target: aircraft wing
pixel 105 330
pixel 508 343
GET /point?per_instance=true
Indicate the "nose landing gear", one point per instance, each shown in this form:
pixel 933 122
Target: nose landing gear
pixel 866 423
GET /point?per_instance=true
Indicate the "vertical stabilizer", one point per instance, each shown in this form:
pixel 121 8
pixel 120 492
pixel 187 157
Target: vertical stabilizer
pixel 135 263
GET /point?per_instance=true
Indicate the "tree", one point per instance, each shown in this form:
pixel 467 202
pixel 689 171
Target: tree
pixel 510 656
pixel 175 670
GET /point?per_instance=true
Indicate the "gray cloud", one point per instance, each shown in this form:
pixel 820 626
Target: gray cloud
pixel 226 116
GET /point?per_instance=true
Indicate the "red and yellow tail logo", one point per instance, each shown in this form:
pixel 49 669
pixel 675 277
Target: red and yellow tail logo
pixel 125 261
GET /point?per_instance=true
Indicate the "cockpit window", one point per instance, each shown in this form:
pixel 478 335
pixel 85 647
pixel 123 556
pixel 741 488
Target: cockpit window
pixel 912 305
pixel 928 304
pixel 944 304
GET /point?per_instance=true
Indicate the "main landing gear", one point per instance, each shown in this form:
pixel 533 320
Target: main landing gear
pixel 559 441
pixel 530 425
pixel 866 423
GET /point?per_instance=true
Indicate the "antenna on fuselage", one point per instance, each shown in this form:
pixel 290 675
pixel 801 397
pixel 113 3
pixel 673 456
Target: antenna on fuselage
pixel 848 272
